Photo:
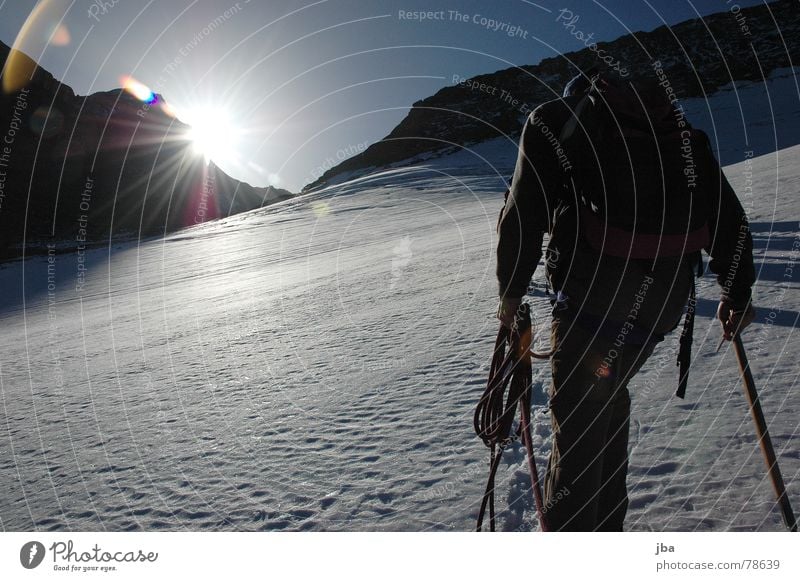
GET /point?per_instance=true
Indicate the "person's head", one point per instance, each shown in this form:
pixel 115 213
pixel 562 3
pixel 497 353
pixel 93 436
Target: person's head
pixel 644 90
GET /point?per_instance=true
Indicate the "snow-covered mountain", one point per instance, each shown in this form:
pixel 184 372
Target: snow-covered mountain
pixel 314 365
pixel 698 58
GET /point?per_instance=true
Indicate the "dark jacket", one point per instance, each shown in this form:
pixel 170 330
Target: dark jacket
pixel 539 201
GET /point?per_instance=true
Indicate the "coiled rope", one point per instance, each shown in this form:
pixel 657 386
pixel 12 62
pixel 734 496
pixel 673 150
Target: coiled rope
pixel 494 415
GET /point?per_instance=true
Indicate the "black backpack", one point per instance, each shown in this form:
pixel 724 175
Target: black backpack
pixel 634 160
pixel 637 190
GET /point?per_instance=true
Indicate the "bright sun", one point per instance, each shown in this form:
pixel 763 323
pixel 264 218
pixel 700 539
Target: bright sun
pixel 212 134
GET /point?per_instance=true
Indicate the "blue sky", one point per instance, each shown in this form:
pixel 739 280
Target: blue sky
pixel 300 83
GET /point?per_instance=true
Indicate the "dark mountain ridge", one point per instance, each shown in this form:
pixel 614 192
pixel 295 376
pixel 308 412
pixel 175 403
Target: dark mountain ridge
pixel 82 169
pixel 697 57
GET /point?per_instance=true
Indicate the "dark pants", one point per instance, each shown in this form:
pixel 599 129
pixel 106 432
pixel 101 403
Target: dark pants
pixel 585 487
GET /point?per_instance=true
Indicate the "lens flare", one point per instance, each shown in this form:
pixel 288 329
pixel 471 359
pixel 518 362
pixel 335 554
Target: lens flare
pixel 138 90
pixel 46 122
pixel 320 209
pixel 255 167
pixel 60 36
pixel 42 28
pixel 168 109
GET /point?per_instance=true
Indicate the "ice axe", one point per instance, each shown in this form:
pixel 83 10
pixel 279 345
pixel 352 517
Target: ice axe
pixel 763 435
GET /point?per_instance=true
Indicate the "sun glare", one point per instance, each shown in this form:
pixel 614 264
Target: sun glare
pixel 212 134
pixel 138 90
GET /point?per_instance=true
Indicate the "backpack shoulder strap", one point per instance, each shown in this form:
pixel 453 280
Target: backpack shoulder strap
pixel 578 114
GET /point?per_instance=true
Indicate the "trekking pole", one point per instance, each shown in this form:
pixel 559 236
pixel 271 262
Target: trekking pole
pixel 763 436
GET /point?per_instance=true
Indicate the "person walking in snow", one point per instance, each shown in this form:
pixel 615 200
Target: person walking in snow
pixel 629 194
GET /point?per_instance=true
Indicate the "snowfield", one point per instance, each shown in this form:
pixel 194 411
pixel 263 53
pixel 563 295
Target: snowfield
pixel 315 365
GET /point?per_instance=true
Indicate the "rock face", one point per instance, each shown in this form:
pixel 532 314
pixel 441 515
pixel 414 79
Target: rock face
pixel 697 56
pixel 82 169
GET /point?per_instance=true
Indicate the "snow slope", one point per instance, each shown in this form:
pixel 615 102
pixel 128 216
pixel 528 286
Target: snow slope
pixel 315 365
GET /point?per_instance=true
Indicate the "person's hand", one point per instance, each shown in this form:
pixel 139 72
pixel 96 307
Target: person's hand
pixel 734 320
pixel 507 309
